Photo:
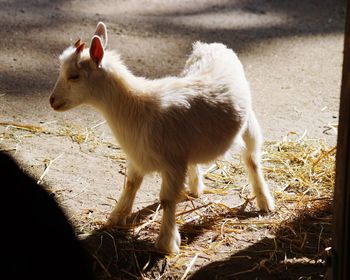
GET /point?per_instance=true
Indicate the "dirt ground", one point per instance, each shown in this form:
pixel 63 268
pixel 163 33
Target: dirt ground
pixel 292 54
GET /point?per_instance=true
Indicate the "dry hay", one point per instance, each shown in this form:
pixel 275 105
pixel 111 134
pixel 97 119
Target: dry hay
pixel 231 242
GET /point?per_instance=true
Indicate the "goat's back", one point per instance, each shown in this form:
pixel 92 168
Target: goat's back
pixel 205 108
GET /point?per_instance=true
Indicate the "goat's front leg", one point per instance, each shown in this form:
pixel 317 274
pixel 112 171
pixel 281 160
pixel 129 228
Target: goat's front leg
pixel 169 237
pixel 126 199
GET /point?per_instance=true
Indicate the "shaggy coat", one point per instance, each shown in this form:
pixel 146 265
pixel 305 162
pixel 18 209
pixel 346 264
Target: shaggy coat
pixel 168 125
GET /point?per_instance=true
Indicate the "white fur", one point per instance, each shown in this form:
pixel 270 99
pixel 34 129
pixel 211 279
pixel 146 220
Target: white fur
pixel 168 125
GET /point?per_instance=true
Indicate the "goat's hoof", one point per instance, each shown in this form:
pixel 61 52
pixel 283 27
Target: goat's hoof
pixel 195 194
pixel 266 204
pixel 169 245
pixel 116 221
pixel 198 190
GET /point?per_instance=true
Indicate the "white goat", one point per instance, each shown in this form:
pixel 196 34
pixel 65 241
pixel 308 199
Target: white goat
pixel 167 125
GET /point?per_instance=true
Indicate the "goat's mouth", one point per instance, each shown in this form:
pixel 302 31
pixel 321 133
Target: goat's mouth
pixel 58 107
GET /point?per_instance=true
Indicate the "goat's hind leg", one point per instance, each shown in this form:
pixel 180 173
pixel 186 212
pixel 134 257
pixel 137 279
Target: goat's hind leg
pixel 251 155
pixel 169 237
pixel 123 208
pixel 195 180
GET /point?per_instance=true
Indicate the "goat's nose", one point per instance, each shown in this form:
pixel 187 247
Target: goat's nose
pixel 52 100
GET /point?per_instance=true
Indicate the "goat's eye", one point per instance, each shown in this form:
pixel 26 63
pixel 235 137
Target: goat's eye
pixel 73 77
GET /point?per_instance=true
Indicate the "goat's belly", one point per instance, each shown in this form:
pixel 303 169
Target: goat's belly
pixel 212 143
pixel 157 161
pixel 206 153
pixel 143 160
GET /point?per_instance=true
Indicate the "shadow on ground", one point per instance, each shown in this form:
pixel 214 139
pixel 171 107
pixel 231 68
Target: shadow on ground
pixel 41 30
pixel 305 18
pixel 296 252
pixel 122 254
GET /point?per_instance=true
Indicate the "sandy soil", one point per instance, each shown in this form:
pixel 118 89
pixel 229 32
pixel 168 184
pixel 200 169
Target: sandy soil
pixel 292 54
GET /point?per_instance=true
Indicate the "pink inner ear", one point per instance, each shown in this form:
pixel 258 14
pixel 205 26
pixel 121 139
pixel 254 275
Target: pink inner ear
pixel 96 50
pixel 99 30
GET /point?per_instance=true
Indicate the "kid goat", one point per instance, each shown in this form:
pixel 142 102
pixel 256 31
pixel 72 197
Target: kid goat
pixel 168 125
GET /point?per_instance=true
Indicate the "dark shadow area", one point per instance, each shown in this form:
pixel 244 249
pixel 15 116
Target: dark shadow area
pixel 143 213
pixel 296 18
pixel 312 9
pixel 34 33
pixel 121 255
pixel 127 254
pixel 24 22
pixel 27 84
pixel 38 242
pixel 296 252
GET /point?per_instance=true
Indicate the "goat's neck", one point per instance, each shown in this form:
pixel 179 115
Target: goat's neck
pixel 123 101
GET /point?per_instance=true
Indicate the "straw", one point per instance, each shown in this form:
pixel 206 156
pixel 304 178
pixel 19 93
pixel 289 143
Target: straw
pixel 299 171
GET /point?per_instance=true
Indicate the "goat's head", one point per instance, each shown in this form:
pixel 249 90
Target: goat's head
pixel 79 72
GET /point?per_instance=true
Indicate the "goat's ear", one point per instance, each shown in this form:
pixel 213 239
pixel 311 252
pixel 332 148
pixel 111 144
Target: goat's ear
pixel 80 48
pixel 96 50
pixel 77 43
pixel 101 31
